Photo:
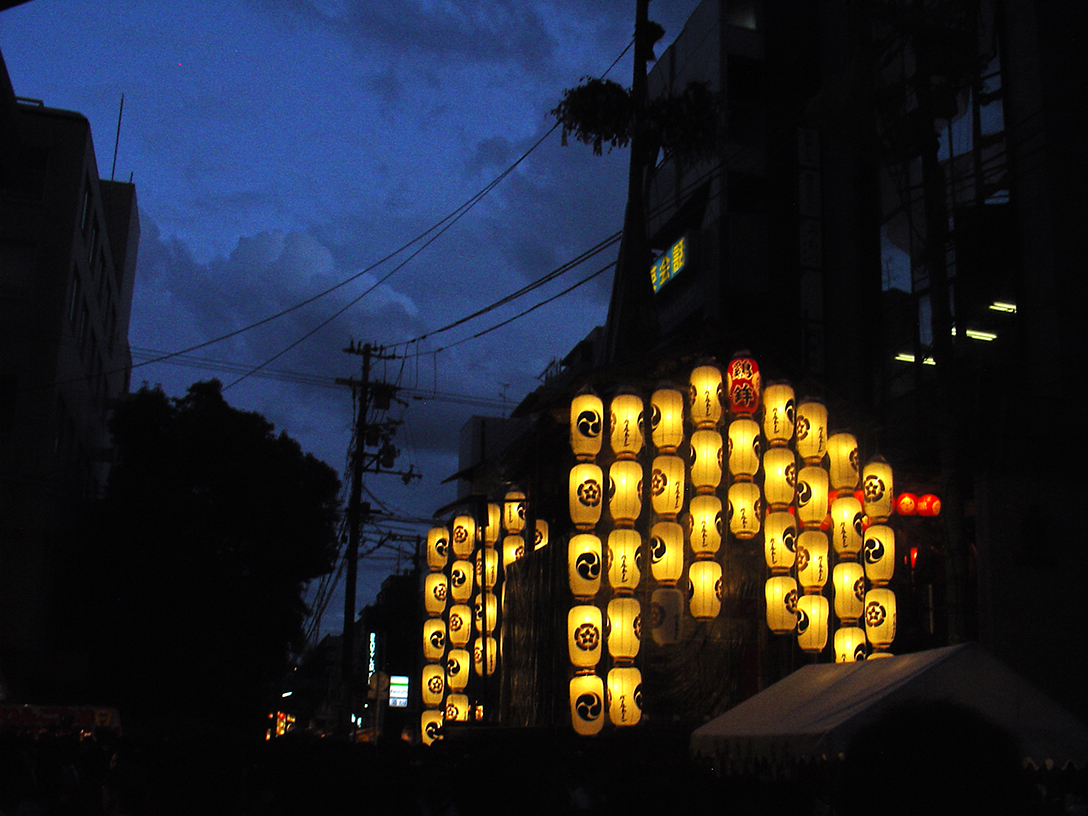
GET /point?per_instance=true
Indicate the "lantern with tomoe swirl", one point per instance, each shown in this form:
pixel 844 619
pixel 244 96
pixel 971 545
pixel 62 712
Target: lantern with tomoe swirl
pixel 849 644
pixel 781 594
pixel 434 639
pixel 667 485
pixel 461 580
pixel 878 554
pixel 706 396
pixel 847 522
pixel 667 419
pixel 625 696
pixel 585 635
pixel 458 662
pixel 586 495
pixel 705 586
pixel 438 548
pixel 811 431
pixel 811 496
pixel 625 491
pixel 513 549
pixel 586 426
pixel 780 541
pixel 812 615
pixel 624 560
pixel 667 552
pixel 779 478
pixel 485 601
pixel 430 725
pixel 626 425
pixel 705 525
pixel 779 414
pixel 584 565
pixel 513 511
pixel 587 702
pixel 540 539
pixel 745 509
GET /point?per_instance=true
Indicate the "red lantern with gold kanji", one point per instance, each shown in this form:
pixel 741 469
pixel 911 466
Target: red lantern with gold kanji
pixel 743 385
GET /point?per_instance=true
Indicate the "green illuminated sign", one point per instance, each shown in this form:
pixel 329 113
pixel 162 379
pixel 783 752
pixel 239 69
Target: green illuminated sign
pixel 670 264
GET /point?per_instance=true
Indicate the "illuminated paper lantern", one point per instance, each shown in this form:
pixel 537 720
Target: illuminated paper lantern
pixel 929 505
pixel 586 426
pixel 461 580
pixel 705 525
pixel 625 696
pixel 586 495
pixel 705 588
pixel 743 384
pixel 780 541
pixel 438 548
pixel 811 431
pixel 848 578
pixel 667 419
pixel 433 685
pixel 457 707
pixel 905 505
pixel 540 537
pixel 811 496
pixel 626 425
pixel 812 614
pixel 667 552
pixel 513 548
pixel 779 478
pixel 435 593
pixel 624 628
pixel 706 460
pixel 842 456
pixel 706 396
pixel 587 704
pixel 485 649
pixel 880 617
pixel 492 529
pixel 779 414
pixel 876 482
pixel 812 565
pixel 460 624
pixel 666 615
pixel 745 509
pixel 430 725
pixel 585 635
pixel 488 600
pixel 667 485
pixel 464 536
pixel 849 644
pixel 487 568
pixel 624 559
pixel 781 595
pixel 847 526
pixel 625 491
pixel 434 639
pixel 744 448
pixel 584 565
pixel 513 511
pixel 878 554
pixel 457 669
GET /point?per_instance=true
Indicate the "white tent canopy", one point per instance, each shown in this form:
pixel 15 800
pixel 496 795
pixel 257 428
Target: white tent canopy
pixel 814 713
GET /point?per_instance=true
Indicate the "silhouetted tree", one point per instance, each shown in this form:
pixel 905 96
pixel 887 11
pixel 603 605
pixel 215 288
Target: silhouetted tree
pixel 211 526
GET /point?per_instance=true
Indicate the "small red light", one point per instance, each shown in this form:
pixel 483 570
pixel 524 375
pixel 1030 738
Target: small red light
pixel 913 557
pixel 929 505
pixel 906 504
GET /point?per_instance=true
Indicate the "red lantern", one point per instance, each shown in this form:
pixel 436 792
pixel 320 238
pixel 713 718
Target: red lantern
pixel 906 504
pixel 929 505
pixel 743 384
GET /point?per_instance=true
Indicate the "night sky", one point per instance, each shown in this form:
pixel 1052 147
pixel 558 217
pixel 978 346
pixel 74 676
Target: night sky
pixel 282 147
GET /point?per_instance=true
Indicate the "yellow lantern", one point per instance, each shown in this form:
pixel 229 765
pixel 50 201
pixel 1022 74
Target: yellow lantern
pixel 625 491
pixel 493 528
pixel 706 460
pixel 491 603
pixel 811 431
pixel 584 564
pixel 667 485
pixel 626 429
pixel 624 628
pixel 842 456
pixel 438 548
pixel 435 591
pixel 667 552
pixel 779 414
pixel 461 580
pixel 780 541
pixel 812 496
pixel 464 536
pixel 744 448
pixel 457 707
pixel 880 617
pixel 667 615
pixel 780 592
pixel 584 635
pixel 586 426
pixel 457 668
pixel 460 624
pixel 705 525
pixel 513 511
pixel 745 509
pixel 812 566
pixel 434 639
pixel 878 488
pixel 743 384
pixel 667 419
pixel 586 495
pixel 812 614
pixel 513 548
pixel 625 696
pixel 587 704
pixel 487 568
pixel 485 649
pixel 624 559
pixel 430 725
pixel 705 585
pixel 540 539
pixel 706 396
pixel 878 554
pixel 847 523
pixel 849 580
pixel 433 687
pixel 849 644
pixel 779 478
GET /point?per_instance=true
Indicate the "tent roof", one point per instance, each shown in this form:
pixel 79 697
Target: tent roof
pixel 814 712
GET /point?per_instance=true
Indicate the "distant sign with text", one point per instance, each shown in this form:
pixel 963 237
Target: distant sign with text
pixel 671 263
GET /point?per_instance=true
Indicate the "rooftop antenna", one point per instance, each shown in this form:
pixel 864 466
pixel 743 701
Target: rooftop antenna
pixel 117 140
